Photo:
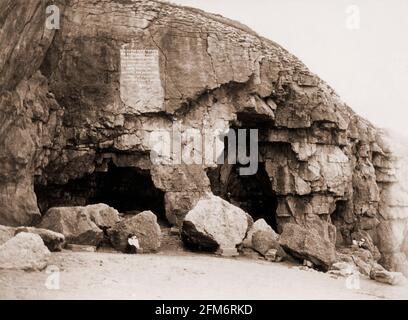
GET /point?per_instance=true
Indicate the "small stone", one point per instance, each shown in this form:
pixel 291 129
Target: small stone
pixel 308 264
pixel 273 256
pixel 175 231
pixel 228 252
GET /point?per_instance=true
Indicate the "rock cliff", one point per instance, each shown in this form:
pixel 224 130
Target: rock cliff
pixel 74 131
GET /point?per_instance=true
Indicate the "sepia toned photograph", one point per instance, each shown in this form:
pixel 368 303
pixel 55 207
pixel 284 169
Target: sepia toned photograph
pixel 203 150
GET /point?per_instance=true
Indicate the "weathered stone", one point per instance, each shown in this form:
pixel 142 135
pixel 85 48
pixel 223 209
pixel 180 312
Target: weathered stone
pixel 214 224
pixel 74 223
pixel 25 251
pixel 53 240
pixel 379 274
pixel 259 225
pixel 263 241
pixel 6 233
pixel 306 244
pixel 143 226
pixel 102 215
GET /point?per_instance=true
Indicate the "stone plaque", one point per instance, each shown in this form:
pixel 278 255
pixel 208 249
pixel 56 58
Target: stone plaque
pixel 140 84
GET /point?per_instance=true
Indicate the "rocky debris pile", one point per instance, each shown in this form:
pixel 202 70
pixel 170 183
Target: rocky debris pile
pixel 81 225
pixel 25 251
pixel 215 225
pixel 94 225
pixel 138 234
pixel 356 260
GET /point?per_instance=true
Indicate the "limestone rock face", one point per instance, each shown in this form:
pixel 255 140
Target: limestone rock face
pixel 53 240
pixel 25 251
pixel 70 108
pixel 74 223
pixel 305 244
pixel 215 224
pixel 141 231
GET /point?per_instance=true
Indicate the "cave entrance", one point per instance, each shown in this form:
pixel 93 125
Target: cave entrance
pixel 252 194
pixel 129 190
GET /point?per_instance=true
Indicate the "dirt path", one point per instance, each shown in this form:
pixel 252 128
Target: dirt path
pixel 182 276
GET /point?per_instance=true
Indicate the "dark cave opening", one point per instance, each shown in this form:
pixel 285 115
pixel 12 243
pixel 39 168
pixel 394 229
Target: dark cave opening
pixel 252 194
pixel 129 190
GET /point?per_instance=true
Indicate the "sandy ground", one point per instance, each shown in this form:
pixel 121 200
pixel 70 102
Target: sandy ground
pixel 181 276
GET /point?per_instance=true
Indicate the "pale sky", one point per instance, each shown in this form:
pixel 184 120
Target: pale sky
pixel 368 66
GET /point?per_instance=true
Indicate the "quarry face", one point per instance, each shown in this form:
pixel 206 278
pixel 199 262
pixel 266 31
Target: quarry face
pixel 79 107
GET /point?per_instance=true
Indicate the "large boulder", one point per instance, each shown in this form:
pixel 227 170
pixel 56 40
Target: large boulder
pixel 74 223
pixel 6 233
pixel 25 251
pixel 139 232
pixel 53 240
pixel 303 243
pixel 102 215
pixel 215 224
